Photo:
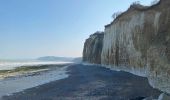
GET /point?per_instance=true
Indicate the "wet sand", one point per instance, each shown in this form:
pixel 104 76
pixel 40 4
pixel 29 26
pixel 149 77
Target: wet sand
pixel 91 82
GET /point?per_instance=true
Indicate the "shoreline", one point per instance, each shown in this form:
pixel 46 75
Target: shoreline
pixel 19 83
pixel 91 82
pixel 28 69
pixel 15 64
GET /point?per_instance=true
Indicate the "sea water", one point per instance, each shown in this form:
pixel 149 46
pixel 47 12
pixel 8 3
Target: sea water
pixel 9 86
pixel 11 64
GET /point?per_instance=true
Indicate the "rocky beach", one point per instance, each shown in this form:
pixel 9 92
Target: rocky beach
pixel 91 82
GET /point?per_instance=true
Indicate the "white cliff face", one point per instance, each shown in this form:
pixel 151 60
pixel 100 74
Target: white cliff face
pixel 138 41
pixel 159 69
pixel 156 22
pixel 93 48
pixel 129 44
pixel 118 41
pixel 121 35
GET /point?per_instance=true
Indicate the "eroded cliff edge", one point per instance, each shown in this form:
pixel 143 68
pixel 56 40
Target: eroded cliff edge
pixel 93 48
pixel 137 41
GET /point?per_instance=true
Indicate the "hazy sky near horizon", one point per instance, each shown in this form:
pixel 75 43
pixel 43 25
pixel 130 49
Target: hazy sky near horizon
pixel 33 28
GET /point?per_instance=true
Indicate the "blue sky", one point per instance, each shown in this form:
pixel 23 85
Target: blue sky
pixel 33 28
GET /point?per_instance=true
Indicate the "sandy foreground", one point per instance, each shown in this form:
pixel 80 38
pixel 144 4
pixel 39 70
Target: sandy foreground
pixel 84 82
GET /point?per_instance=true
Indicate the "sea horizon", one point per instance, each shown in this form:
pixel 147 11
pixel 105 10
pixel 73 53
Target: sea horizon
pixel 11 64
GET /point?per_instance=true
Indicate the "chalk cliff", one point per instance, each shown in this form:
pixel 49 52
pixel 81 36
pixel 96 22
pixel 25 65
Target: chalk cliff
pixel 137 41
pixel 93 48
